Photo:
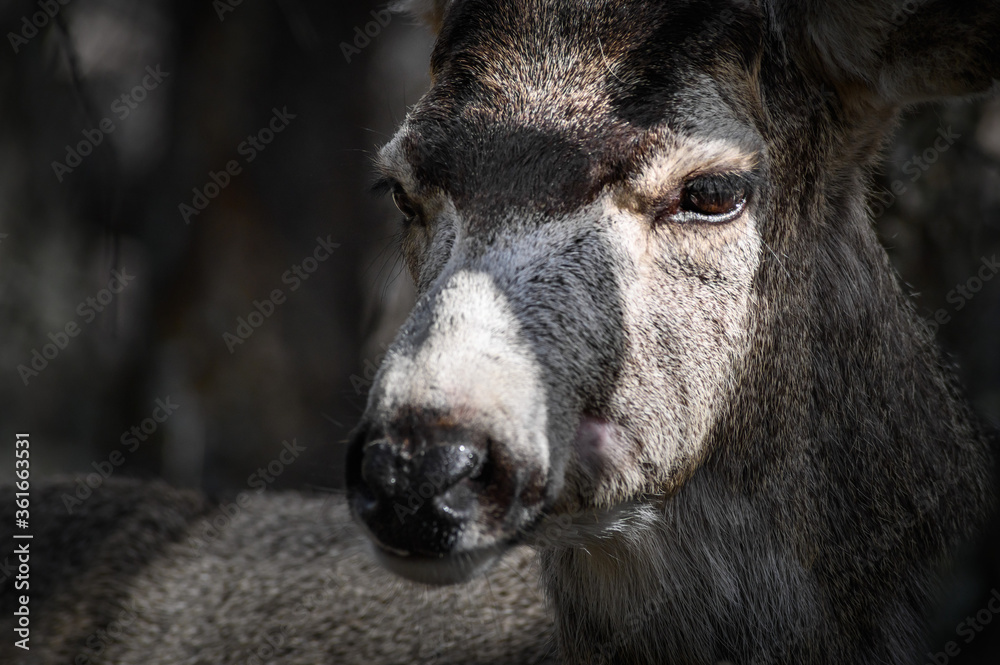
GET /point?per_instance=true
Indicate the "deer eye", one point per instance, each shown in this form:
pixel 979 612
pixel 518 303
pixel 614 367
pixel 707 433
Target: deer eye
pixel 404 204
pixel 714 199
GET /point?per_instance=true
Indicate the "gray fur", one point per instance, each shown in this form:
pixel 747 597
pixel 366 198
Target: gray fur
pixel 149 575
pixel 736 413
pixel 728 441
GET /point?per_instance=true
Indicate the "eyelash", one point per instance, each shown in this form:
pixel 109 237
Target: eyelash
pixel 391 187
pixel 702 195
pixel 698 197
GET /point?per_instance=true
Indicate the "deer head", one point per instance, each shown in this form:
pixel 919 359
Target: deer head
pixel 640 240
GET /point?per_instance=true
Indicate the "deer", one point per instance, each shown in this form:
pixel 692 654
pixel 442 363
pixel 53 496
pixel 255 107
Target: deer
pixel 661 397
pixel 655 326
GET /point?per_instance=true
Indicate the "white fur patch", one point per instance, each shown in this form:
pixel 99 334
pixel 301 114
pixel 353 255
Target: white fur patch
pixel 681 157
pixel 468 360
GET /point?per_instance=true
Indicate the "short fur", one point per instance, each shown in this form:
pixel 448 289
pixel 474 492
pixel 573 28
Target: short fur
pixel 760 453
pixel 147 575
pixel 728 441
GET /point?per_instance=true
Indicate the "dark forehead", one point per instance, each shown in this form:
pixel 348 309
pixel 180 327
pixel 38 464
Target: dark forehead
pixel 641 50
pixel 553 98
pixel 520 23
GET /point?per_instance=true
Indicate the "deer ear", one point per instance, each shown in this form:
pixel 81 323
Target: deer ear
pixel 430 12
pixel 899 51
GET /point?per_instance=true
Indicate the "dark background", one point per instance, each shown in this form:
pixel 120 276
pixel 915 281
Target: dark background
pixel 304 371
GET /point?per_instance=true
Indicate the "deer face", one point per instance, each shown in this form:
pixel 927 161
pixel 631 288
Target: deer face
pixel 583 199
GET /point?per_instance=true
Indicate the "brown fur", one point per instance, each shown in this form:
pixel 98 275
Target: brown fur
pixel 728 440
pixel 771 405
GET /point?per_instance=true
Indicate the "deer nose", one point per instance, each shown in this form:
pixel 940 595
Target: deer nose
pixel 415 491
pixel 389 471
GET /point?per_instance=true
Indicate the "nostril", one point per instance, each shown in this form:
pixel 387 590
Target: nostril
pixel 446 465
pixel 476 464
pixel 425 486
pixel 379 468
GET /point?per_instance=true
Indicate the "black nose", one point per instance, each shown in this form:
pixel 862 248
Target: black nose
pixel 415 487
pixel 389 469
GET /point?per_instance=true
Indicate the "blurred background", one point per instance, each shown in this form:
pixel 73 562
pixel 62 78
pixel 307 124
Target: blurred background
pixel 167 165
pixel 189 88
